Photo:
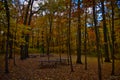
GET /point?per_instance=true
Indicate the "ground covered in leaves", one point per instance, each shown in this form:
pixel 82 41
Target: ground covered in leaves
pixel 30 69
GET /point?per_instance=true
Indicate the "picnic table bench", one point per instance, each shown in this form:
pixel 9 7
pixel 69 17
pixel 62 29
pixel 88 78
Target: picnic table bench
pixel 33 55
pixel 52 63
pixel 44 55
pixel 48 63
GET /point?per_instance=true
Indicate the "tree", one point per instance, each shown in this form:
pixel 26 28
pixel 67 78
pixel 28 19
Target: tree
pixel 79 36
pixel 50 14
pixel 85 41
pixel 11 45
pixel 97 41
pixel 69 35
pixel 69 30
pixel 107 59
pixel 113 39
pixel 2 28
pixel 27 21
pixel 8 32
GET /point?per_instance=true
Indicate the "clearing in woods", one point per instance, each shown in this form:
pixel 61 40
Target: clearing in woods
pixel 30 69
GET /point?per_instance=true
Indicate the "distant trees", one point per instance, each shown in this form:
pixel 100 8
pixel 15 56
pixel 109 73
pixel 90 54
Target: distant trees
pixel 66 26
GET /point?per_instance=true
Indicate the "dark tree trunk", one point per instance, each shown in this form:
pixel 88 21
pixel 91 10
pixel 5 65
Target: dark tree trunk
pixel 97 42
pixel 48 51
pixel 43 51
pixel 85 41
pixel 15 41
pixel 32 39
pixel 31 14
pixel 24 47
pixel 21 52
pixel 26 14
pixel 11 49
pixel 2 45
pixel 79 36
pixel 113 39
pixel 8 32
pixel 50 35
pixel 29 21
pixel 25 23
pixel 68 39
pixel 11 46
pixel 107 59
pixel 58 40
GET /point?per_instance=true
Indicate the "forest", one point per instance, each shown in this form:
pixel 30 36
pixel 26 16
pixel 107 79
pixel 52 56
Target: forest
pixel 59 39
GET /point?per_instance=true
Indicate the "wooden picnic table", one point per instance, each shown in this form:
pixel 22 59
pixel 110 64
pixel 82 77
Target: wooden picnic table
pixel 48 63
pixel 52 63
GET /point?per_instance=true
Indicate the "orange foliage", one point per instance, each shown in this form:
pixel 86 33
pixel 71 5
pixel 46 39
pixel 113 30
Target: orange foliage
pixel 91 34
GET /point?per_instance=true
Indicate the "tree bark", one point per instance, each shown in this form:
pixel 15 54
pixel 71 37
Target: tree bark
pixel 68 39
pixel 97 42
pixel 79 36
pixel 113 39
pixel 11 46
pixel 26 46
pixel 107 59
pixel 8 32
pixel 85 41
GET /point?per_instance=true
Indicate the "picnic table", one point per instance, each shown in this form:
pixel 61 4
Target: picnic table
pixel 52 63
pixel 33 55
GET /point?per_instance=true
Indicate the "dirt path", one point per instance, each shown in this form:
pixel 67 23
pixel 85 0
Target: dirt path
pixel 29 69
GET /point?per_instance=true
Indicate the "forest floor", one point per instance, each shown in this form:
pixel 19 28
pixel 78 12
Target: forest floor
pixel 30 69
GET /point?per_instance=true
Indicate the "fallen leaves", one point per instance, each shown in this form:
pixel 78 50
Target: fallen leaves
pixel 29 70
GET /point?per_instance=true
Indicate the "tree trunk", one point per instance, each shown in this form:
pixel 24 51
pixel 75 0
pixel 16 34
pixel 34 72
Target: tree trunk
pixel 29 21
pixel 8 32
pixel 107 59
pixel 58 40
pixel 11 49
pixel 85 41
pixel 43 51
pixel 14 43
pixel 97 42
pixel 50 35
pixel 26 14
pixel 113 39
pixel 32 39
pixel 25 46
pixel 79 36
pixel 68 39
pixel 11 46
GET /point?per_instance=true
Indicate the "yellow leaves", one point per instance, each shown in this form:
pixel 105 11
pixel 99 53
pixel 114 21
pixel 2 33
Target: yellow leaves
pixel 20 41
pixel 23 29
pixel 18 31
pixel 63 20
